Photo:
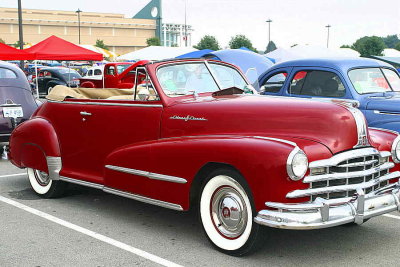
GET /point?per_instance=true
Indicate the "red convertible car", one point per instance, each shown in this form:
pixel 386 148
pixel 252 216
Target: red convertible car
pixel 191 133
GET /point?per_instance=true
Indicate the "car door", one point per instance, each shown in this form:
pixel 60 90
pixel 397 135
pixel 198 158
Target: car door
pixel 275 81
pixel 107 126
pixel 41 81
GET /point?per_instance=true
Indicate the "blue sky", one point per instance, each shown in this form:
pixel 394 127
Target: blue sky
pixel 294 22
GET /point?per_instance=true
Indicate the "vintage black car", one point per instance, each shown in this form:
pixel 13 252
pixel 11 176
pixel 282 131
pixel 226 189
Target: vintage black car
pixel 51 76
pixel 16 100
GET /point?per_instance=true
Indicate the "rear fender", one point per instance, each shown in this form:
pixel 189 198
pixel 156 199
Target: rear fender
pixel 34 144
pixel 256 159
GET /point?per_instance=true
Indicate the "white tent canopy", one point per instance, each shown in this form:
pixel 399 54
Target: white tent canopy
pixel 390 52
pixel 310 51
pixel 156 53
pixel 105 52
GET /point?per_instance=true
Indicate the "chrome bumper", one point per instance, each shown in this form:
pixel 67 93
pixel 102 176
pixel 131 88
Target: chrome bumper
pixel 327 213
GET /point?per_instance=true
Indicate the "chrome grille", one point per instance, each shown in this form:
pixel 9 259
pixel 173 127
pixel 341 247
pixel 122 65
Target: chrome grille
pixel 341 175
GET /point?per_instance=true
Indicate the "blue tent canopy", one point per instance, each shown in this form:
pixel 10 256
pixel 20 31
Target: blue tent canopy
pixel 245 60
pixel 196 54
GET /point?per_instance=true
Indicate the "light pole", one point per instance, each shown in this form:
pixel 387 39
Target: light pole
pixel 186 41
pixel 21 35
pixel 327 40
pixel 269 30
pixel 79 24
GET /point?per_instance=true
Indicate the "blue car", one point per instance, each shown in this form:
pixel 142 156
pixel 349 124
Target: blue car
pixel 374 84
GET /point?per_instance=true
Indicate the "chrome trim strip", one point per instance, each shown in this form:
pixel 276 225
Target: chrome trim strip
pixel 108 104
pixel 361 124
pixel 5 135
pixel 384 130
pixel 339 188
pixel 54 165
pixel 149 175
pixel 275 139
pixel 386 113
pixel 357 164
pixel 80 182
pixel 143 199
pixel 124 194
pixel 339 101
pixel 344 175
pixel 336 159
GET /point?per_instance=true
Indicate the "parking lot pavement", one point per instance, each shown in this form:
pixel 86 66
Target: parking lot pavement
pixel 27 239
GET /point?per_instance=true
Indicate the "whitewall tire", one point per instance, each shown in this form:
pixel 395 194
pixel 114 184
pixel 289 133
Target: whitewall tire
pixel 43 185
pixel 226 213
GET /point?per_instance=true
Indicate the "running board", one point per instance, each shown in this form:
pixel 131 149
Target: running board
pixel 106 189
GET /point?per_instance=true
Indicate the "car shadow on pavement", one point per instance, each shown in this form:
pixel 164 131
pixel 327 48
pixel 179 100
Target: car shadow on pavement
pixel 282 247
pixel 316 246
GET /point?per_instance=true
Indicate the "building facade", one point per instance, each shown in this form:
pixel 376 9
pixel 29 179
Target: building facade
pixel 176 35
pixel 120 34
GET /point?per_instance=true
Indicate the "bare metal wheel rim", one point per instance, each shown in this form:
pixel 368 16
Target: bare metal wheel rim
pixel 41 177
pixel 228 212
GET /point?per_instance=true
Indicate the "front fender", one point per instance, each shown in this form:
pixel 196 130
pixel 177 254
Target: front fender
pixel 31 142
pixel 262 163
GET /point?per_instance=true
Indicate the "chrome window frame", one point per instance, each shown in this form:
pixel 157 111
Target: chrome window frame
pixel 152 84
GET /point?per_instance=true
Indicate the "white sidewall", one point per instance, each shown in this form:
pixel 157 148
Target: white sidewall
pixel 213 234
pixel 40 189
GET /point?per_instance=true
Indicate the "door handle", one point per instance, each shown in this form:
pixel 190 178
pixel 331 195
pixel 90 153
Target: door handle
pixel 84 113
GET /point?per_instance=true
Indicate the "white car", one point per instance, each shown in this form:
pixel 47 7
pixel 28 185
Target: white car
pixel 95 72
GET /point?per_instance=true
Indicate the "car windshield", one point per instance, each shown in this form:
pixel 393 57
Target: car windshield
pixel 121 68
pixel 69 73
pixel 198 77
pixel 374 80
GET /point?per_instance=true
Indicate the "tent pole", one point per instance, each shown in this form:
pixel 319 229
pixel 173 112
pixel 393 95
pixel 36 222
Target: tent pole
pixel 37 80
pixel 69 72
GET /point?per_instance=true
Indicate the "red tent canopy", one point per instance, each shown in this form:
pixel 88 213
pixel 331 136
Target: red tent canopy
pixel 10 53
pixel 54 48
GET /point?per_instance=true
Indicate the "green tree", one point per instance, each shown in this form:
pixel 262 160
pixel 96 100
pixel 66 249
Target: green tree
pixel 239 41
pixel 270 47
pixel 153 41
pixel 208 42
pixel 369 46
pixel 101 44
pixel 2 41
pixel 391 40
pixel 397 46
pixel 16 44
pixel 345 46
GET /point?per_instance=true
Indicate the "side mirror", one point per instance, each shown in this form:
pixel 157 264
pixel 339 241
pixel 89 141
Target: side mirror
pixel 249 89
pixel 262 89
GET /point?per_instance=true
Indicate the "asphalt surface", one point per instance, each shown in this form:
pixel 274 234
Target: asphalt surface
pixel 27 239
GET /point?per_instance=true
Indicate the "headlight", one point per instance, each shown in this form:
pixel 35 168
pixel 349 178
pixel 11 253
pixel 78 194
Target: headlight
pixel 297 164
pixel 396 150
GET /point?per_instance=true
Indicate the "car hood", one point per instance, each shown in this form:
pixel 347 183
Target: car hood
pixel 391 104
pixel 332 125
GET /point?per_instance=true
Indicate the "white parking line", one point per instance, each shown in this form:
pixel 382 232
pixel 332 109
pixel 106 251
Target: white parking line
pixel 11 175
pixel 392 216
pixel 90 233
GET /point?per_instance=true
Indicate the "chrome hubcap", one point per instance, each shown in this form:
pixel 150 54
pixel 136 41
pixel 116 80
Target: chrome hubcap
pixel 42 178
pixel 228 212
